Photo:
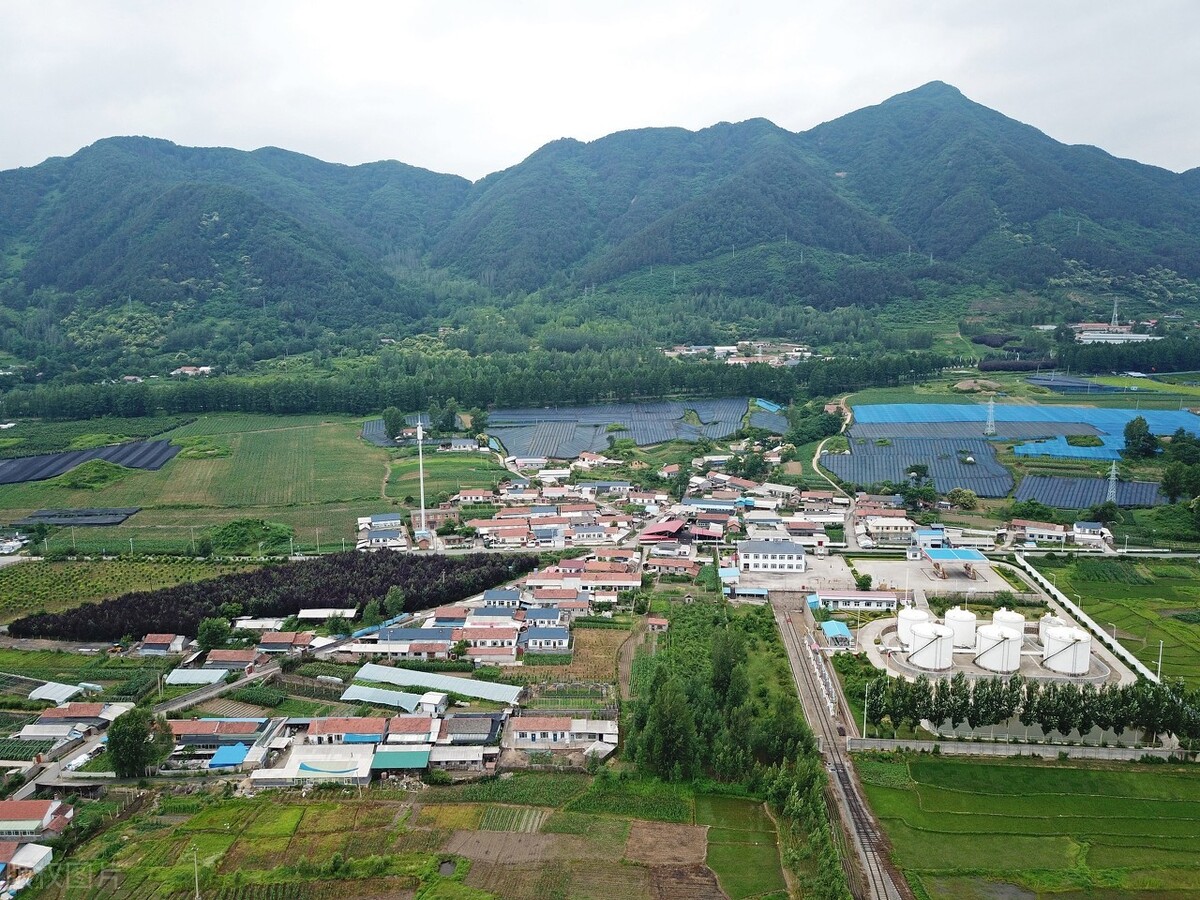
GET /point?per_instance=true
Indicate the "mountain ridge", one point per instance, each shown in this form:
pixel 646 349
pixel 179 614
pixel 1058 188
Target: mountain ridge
pixel 290 250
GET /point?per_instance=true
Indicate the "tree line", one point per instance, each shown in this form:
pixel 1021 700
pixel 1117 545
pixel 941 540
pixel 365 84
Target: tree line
pixel 697 716
pixel 340 580
pixel 412 381
pixel 1144 707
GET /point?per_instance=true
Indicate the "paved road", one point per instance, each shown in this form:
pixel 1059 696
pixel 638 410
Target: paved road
pixel 881 881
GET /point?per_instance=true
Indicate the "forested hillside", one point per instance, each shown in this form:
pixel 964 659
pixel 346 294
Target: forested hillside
pixel 134 255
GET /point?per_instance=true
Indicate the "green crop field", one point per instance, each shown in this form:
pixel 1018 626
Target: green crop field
pixel 962 827
pixel 445 473
pixel 742 846
pixel 1147 601
pixel 308 472
pixel 52 586
pixel 512 839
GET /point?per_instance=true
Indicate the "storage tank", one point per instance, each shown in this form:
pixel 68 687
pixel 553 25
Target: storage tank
pixel 905 620
pixel 1009 619
pixel 998 649
pixel 932 647
pixel 962 623
pixel 1049 620
pixel 1067 650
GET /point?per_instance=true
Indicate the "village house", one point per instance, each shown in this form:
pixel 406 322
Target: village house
pixel 245 660
pixel 557 733
pixel 413 729
pixel 161 644
pixel 546 640
pixel 1045 532
pixel 30 820
pixel 776 557
pixel 208 734
pixel 347 730
pixel 285 641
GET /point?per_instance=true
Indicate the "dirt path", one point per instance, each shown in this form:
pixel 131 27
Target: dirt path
pixel 626 654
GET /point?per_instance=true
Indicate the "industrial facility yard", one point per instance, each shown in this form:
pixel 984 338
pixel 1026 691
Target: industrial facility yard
pixel 1021 829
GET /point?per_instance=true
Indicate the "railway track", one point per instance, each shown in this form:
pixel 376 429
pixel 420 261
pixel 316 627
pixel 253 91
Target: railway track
pixel 881 883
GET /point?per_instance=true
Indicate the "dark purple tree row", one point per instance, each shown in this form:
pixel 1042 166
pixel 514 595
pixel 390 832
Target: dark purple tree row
pixel 338 580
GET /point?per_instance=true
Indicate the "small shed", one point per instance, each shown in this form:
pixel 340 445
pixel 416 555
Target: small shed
pixel 837 634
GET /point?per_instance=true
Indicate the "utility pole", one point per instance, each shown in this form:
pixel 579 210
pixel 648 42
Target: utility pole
pixel 1159 673
pixel 196 869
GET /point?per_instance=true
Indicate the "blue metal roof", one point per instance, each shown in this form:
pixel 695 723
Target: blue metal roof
pixel 814 601
pixel 834 629
pixel 547 634
pixel 501 594
pixel 229 755
pixel 489 611
pixel 416 634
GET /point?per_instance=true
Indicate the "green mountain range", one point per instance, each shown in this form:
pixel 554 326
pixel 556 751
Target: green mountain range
pixel 134 252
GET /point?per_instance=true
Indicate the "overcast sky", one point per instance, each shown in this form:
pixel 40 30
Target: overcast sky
pixel 472 87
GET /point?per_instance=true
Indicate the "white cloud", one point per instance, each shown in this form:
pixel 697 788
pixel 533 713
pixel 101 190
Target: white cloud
pixel 472 87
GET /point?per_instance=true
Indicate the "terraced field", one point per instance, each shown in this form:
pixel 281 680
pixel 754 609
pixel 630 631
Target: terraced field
pixel 961 827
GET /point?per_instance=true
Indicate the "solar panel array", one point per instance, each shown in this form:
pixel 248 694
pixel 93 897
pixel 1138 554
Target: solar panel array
pixel 1082 493
pixel 98 516
pixel 1108 421
pixel 374 432
pixel 1110 448
pixel 563 432
pixel 872 463
pixel 134 455
pixel 772 422
pixel 1005 431
pixel 1069 384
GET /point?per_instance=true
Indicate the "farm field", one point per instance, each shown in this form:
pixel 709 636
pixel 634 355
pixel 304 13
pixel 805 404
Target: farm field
pixel 1147 600
pixel 445 473
pixel 509 839
pixel 964 828
pixel 52 586
pixel 593 658
pixel 123 678
pixel 308 472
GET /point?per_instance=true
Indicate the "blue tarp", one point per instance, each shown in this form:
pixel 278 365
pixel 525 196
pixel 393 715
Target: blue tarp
pixel 768 405
pixel 233 755
pixel 362 739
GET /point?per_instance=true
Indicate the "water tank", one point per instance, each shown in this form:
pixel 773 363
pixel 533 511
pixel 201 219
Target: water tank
pixel 905 620
pixel 962 623
pixel 1049 620
pixel 1009 619
pixel 998 649
pixel 932 647
pixel 1067 650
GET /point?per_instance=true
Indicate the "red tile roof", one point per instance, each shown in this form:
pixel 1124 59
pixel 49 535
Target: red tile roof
pixel 410 725
pixel 11 810
pixel 158 639
pixel 74 711
pixel 349 725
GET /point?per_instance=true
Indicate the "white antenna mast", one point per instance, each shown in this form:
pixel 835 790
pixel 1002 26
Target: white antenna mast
pixel 1115 322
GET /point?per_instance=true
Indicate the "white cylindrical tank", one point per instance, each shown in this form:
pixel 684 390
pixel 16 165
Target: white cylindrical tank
pixel 1067 650
pixel 1049 620
pixel 932 646
pixel 998 649
pixel 906 619
pixel 962 623
pixel 1009 619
